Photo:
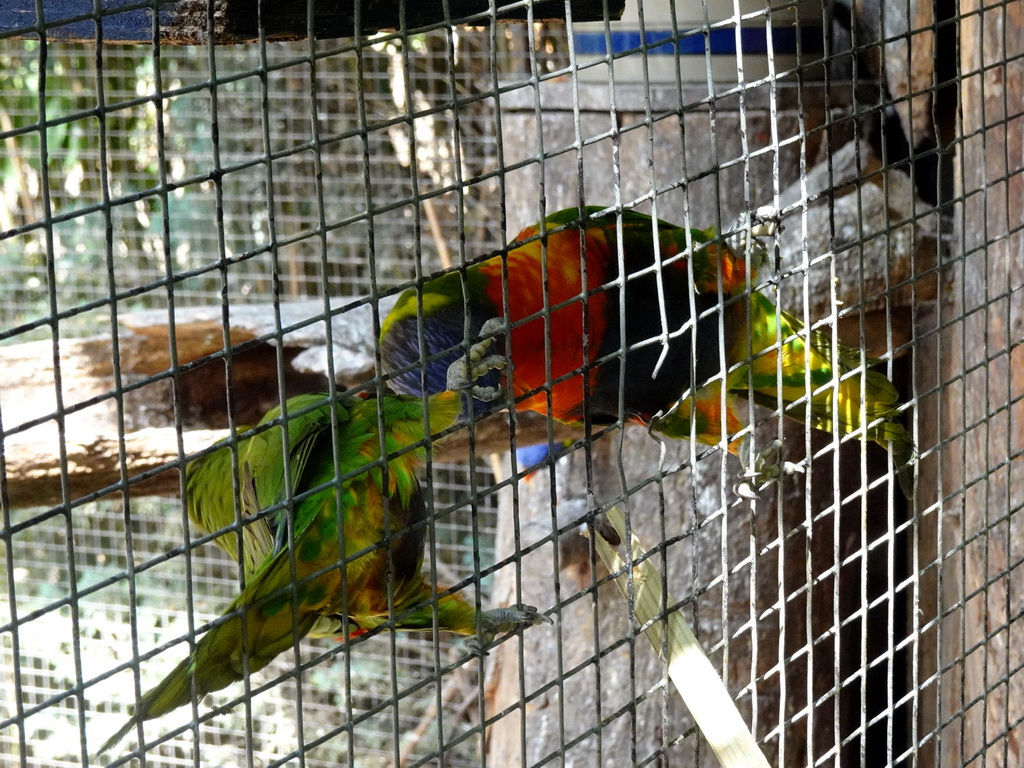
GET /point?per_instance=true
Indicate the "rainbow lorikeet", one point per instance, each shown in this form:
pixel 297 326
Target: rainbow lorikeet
pixel 330 578
pixel 693 326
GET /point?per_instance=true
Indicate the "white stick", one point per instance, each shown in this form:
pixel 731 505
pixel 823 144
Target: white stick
pixel 689 669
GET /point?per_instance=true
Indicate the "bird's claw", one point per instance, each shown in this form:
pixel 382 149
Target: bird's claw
pixel 765 470
pixel 765 222
pixel 500 622
pixel 750 228
pixel 466 371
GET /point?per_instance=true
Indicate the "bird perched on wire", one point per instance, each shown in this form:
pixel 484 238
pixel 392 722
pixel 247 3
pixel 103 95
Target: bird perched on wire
pixel 609 316
pixel 333 534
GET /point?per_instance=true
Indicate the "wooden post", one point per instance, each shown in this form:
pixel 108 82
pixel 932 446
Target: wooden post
pixel 983 362
pixel 806 628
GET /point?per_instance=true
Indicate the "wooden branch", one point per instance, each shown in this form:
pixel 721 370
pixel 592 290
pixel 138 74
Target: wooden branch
pixel 84 373
pixel 872 237
pixel 198 329
pixel 34 475
pixel 910 65
pixel 188 22
pixel 83 369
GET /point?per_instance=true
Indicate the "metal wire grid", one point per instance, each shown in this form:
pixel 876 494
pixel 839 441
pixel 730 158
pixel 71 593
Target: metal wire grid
pixel 134 155
pixel 42 582
pixel 226 217
pixel 722 578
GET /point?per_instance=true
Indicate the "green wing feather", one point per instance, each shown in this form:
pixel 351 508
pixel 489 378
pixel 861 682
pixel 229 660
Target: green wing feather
pixel 862 399
pixel 210 500
pixel 303 588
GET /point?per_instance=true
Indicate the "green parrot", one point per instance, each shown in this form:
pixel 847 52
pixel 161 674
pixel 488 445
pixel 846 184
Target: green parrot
pixel 675 307
pixel 330 573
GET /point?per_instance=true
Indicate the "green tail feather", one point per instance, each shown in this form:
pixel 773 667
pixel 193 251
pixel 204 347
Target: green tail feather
pixel 217 660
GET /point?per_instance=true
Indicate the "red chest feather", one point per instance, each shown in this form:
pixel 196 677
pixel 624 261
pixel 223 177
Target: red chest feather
pixel 562 302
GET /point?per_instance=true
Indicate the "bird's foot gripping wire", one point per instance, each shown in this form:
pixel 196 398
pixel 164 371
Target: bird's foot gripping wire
pixel 765 222
pixel 764 470
pixel 500 622
pixel 749 231
pixel 464 373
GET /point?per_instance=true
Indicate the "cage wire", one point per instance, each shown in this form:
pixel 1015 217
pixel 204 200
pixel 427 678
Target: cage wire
pixel 133 155
pixel 192 234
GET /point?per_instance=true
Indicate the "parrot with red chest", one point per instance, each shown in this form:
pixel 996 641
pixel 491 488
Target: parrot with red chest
pixel 693 325
pixel 445 310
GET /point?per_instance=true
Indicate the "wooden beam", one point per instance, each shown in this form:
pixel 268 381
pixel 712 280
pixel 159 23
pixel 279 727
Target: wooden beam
pixel 86 424
pixel 189 22
pixel 34 478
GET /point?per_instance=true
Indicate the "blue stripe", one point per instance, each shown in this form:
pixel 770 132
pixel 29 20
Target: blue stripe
pixel 119 26
pixel 720 41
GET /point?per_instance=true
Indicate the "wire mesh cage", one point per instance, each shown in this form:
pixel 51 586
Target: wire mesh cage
pixel 780 429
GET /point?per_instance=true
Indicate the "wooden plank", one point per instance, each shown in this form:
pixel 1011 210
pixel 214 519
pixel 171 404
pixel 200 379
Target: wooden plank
pixel 33 471
pixel 89 429
pixel 187 22
pixel 983 398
